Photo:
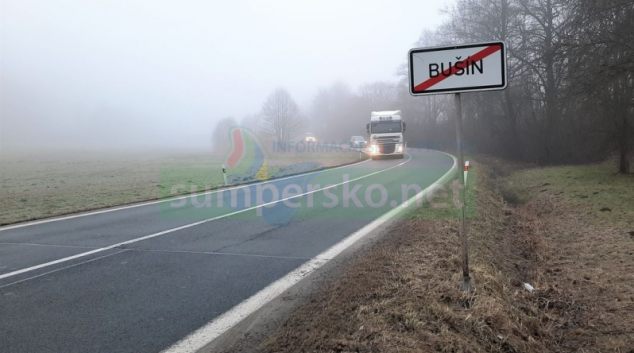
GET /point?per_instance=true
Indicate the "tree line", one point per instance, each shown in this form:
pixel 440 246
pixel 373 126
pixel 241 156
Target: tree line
pixel 570 97
pixel 336 113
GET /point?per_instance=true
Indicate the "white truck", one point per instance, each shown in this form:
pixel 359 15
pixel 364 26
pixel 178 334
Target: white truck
pixel 386 134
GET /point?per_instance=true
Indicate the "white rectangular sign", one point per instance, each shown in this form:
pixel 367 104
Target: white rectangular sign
pixel 459 68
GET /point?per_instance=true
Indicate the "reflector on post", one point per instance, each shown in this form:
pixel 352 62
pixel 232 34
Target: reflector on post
pixel 455 69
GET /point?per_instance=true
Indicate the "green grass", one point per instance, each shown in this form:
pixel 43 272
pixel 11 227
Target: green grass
pixel 46 184
pixel 609 196
pixel 451 211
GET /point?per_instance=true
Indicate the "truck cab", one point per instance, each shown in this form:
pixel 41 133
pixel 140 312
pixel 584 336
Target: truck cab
pixel 386 134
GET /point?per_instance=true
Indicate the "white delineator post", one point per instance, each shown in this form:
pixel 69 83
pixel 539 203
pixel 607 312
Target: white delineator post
pixel 224 174
pixel 466 278
pixel 466 170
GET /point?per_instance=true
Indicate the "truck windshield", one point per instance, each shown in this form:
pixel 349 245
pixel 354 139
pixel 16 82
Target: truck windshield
pixel 384 127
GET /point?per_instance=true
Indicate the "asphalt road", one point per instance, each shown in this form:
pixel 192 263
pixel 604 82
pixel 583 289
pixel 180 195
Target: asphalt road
pixel 141 278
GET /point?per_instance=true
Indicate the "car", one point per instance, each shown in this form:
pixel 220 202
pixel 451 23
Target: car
pixel 310 137
pixel 358 142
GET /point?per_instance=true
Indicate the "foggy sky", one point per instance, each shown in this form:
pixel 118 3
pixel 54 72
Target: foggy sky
pixel 112 74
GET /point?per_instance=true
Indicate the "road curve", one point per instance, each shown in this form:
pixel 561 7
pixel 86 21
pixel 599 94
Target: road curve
pixel 141 278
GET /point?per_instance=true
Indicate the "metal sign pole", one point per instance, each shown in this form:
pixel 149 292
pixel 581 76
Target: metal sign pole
pixel 483 69
pixel 466 279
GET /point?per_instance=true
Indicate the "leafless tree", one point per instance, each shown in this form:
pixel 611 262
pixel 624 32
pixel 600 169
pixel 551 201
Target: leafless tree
pixel 251 121
pixel 220 136
pixel 601 50
pixel 379 95
pixel 570 96
pixel 571 79
pixel 337 113
pixel 280 116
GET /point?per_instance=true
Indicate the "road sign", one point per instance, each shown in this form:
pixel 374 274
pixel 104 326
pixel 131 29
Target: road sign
pixel 458 68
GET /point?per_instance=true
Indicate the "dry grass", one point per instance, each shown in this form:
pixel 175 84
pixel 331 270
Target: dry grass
pixel 402 296
pixel 587 282
pixel 47 184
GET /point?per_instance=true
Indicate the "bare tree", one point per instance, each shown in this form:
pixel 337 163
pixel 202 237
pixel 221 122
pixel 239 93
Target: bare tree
pixel 220 136
pixel 337 113
pixel 601 52
pixel 281 117
pixel 379 95
pixel 487 20
pixel 251 121
pixel 570 96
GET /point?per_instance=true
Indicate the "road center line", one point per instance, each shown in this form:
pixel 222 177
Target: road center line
pixel 131 241
pixel 50 245
pixel 63 268
pixel 170 199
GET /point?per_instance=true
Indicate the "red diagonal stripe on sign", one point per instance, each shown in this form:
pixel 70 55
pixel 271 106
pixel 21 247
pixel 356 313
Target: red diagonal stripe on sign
pixel 452 70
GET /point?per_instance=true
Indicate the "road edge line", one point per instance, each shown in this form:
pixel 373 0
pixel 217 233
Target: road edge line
pixel 203 336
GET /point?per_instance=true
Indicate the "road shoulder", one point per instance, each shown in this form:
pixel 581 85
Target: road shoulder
pixel 402 292
pixel 251 332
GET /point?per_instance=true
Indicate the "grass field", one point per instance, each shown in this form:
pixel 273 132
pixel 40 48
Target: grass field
pixel 46 184
pixel 608 197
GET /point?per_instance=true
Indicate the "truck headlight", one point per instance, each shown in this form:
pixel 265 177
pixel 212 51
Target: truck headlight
pixel 399 148
pixel 374 148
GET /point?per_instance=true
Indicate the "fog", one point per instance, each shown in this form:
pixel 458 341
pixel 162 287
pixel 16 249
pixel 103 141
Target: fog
pixel 156 74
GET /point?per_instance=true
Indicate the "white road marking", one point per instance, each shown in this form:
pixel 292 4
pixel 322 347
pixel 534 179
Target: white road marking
pixel 63 268
pixel 220 253
pixel 204 335
pixel 131 241
pixel 90 213
pixel 50 245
